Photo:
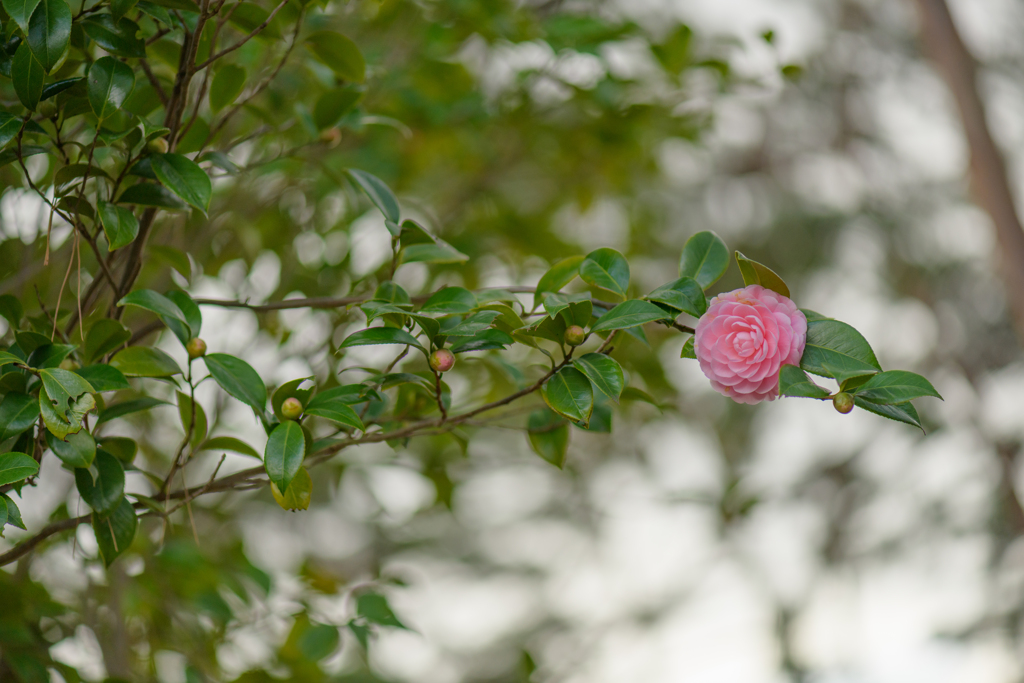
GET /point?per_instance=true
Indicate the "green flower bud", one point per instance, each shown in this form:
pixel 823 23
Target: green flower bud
pixel 442 360
pixel 196 348
pixel 575 335
pixel 843 402
pixel 157 145
pixel 291 408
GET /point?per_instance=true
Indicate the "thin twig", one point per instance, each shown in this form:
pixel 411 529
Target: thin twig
pixel 243 41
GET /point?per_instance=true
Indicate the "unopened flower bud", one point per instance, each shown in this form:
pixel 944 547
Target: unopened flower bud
pixel 291 408
pixel 196 348
pixel 68 364
pixel 575 335
pixel 157 145
pixel 331 137
pixel 442 360
pixel 843 402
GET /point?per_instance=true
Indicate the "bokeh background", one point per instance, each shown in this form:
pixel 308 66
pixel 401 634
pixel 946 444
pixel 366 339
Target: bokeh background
pixel 700 541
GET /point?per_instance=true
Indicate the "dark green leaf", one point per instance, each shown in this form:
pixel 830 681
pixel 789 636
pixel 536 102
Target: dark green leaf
pixel 228 443
pixel 227 86
pixel 119 8
pixel 185 413
pixel 895 386
pixel 15 467
pixel 63 387
pixel 128 407
pixel 374 608
pixel 11 309
pixel 61 422
pixel 293 389
pixel 9 127
pixel 13 513
pixel 155 303
pixel 50 356
pixel 104 378
pixel 683 295
pixel 110 82
pixel 249 16
pixel 121 447
pixel 339 53
pixel 143 361
pixel 151 194
pixel 705 258
pixel 834 349
pixel 238 378
pixel 183 5
pixel 56 88
pixel 607 269
pixel 629 314
pixel 118 37
pixel 286 448
pixel 471 325
pixel 334 104
pixel 21 11
pixel 548 435
pixel 558 276
pixel 484 341
pixel 193 316
pixel 28 73
pixel 450 300
pixel 336 411
pixel 11 155
pixel 78 450
pixel 604 371
pixel 794 382
pixel 104 336
pixel 755 273
pixel 184 178
pixel 569 393
pixel 380 335
pixel 18 412
pixel 438 252
pixel 9 358
pixel 904 412
pixel 119 225
pixel 115 533
pixel 49 32
pixel 379 193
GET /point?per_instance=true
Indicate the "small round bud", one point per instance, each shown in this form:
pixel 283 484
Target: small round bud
pixel 68 364
pixel 196 348
pixel 330 137
pixel 575 335
pixel 291 408
pixel 843 402
pixel 157 145
pixel 47 109
pixel 442 360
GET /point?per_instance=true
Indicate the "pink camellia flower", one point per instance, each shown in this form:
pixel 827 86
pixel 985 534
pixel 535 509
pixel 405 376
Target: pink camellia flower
pixel 745 337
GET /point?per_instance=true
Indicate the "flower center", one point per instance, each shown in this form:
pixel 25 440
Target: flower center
pixel 748 339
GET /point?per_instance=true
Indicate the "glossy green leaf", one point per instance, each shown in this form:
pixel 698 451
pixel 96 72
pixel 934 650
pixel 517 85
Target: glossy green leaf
pixel 683 295
pixel 570 394
pixel 49 32
pixel 61 422
pixel 894 387
pixel 181 5
pixel 110 82
pixel 18 412
pixel 50 356
pixel 115 533
pixel 228 443
pixel 63 387
pixel 21 11
pixel 104 336
pixel 103 378
pixel 903 412
pixel 299 493
pixel 117 36
pixel 119 8
pixel 151 194
pixel 558 276
pixel 13 513
pixel 438 252
pixel 9 359
pixel 688 350
pixel 834 349
pixel 155 303
pixel 121 447
pixel 144 361
pixel 380 335
pixel 379 193
pixel 78 450
pixel 128 408
pixel 9 127
pixel 185 178
pixel 471 325
pixel 12 310
pixel 374 608
pixel 450 300
pixel 119 224
pixel 755 273
pixel 484 341
pixel 16 466
pixel 607 269
pixel 185 413
pixel 239 379
pixel 28 74
pixel 286 448
pixel 604 371
pixel 227 86
pixel 548 435
pixel 336 411
pixel 705 259
pixel 629 314
pixel 339 53
pixel 794 382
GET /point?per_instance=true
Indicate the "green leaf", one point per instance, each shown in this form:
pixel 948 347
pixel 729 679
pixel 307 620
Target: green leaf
pixel 339 53
pixel 484 341
pixel 249 16
pixel 629 314
pixel 570 394
pixel 286 448
pixel 292 389
pixel 903 412
pixel 238 378
pixel 334 104
pixel 450 300
pixel 115 533
pixel 439 252
pixel 12 310
pixel 379 193
pixel 104 336
pixel 374 608
pixel 78 450
pixel 607 269
pixel 755 273
pixel 21 11
pixel 604 371
pixel 155 303
pixel 895 386
pixel 380 335
pixel 62 423
pixel 119 8
pixel 336 411
pixel 128 407
pixel 185 413
pixel 63 387
pixel 227 86
pixel 298 495
pixel 184 178
pixel 9 127
pixel 50 356
pixel 548 435
pixel 49 32
pixel 151 194
pixel 471 325
pixel 18 412
pixel 118 37
pixel 558 276
pixel 16 466
pixel 9 358
pixel 110 82
pixel 705 258
pixel 688 350
pixel 228 443
pixel 683 295
pixel 182 5
pixel 13 513
pixel 143 361
pixel 103 378
pixel 30 341
pixel 794 382
pixel 119 225
pixel 834 349
pixel 3 512
pixel 28 74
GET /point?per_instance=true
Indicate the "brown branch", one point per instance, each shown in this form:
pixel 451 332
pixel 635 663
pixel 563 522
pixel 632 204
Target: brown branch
pixel 989 181
pixel 243 41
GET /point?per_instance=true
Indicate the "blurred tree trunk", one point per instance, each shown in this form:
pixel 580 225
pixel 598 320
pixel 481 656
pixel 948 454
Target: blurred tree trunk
pixel 989 182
